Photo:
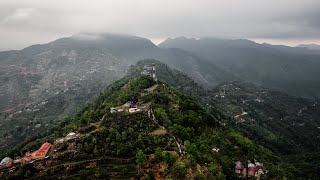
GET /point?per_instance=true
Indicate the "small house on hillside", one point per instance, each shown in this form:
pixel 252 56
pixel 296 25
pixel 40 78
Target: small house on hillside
pixel 242 120
pixel 260 168
pixel 132 110
pixel 6 162
pixel 215 149
pixel 113 110
pixel 133 104
pixel 58 141
pixel 38 154
pixel 251 169
pixel 239 168
pixel 42 151
pixel 126 105
pixel 72 135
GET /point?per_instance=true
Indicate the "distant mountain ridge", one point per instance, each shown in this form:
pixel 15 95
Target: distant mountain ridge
pixel 291 70
pixel 310 46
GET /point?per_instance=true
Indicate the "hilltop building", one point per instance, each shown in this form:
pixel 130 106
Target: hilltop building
pixel 154 72
pixel 132 110
pixel 146 71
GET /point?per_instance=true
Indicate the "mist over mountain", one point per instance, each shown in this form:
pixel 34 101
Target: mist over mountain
pixel 291 70
pixel 310 46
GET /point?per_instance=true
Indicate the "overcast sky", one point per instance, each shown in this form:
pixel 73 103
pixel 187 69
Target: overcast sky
pixel 26 22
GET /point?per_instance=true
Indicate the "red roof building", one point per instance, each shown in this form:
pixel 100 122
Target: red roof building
pixel 42 152
pixel 38 154
pixel 251 169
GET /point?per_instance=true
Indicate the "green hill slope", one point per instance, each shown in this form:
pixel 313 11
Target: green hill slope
pixel 170 136
pixel 285 124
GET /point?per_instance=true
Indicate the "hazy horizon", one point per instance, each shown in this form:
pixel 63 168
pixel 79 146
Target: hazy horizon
pixel 157 41
pixel 287 22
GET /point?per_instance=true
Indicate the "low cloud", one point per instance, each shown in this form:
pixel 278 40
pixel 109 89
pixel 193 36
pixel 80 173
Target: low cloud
pixel 154 19
pixel 19 15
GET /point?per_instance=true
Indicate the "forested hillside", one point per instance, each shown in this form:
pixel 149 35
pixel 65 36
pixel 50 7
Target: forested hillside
pixel 170 136
pixel 287 125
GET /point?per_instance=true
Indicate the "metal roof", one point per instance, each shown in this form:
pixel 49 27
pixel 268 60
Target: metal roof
pixel 5 160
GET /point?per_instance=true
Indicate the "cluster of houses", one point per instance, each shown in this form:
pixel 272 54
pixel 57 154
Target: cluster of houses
pixel 146 70
pixel 130 106
pixel 254 169
pixel 41 153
